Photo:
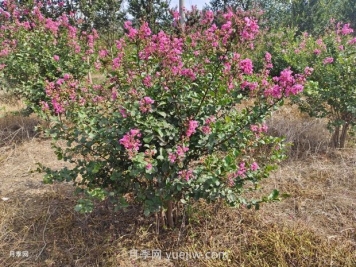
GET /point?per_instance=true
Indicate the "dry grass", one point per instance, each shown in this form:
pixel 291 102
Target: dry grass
pixel 15 128
pixel 315 226
pixel 306 135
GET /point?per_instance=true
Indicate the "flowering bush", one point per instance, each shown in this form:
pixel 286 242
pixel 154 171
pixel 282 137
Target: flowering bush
pixel 36 49
pixel 330 92
pixel 178 117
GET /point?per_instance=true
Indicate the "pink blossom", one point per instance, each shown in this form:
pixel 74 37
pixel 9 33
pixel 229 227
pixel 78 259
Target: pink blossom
pixel 191 128
pixel 51 25
pixel 60 82
pixel 320 42
pixel 123 112
pixel 246 66
pixel 227 26
pixel 251 85
pixel 145 104
pixel 242 170
pixel 149 166
pixel 308 71
pixel 328 60
pixel 181 151
pixel 116 62
pixel 130 141
pixel 264 128
pixel 189 73
pixel 346 29
pixel 132 32
pixel 229 15
pixel 66 76
pixel 172 157
pixel 97 65
pixel 186 174
pixel 145 30
pixel 208 17
pixel 206 129
pixel 352 41
pixel 210 120
pixel 254 166
pixel 268 57
pixel 316 51
pixel 147 81
pixel 254 128
pixel 56 57
pixel 250 29
pixel 175 15
pixel 103 53
pixel 113 94
pixel 58 108
pixel 44 106
pixel 257 129
pixel 119 44
pixel 4 52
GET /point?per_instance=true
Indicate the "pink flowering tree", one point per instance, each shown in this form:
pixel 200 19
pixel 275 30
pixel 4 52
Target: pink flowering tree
pixel 178 117
pixel 35 50
pixel 330 92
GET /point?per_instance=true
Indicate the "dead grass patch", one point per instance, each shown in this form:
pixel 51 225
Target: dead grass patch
pixel 306 135
pixel 14 127
pixel 54 235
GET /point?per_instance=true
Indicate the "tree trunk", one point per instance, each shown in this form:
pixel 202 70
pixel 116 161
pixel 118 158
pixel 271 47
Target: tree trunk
pixel 335 138
pixel 344 134
pixel 169 212
pixel 338 139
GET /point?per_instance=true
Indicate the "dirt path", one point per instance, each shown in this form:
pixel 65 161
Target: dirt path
pixel 18 175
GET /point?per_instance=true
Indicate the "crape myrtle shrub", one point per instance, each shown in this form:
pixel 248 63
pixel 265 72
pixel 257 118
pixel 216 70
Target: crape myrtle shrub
pixel 36 49
pixel 177 117
pixel 330 92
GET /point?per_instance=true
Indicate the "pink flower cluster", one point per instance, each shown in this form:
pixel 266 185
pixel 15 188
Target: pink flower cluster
pixel 308 71
pixel 246 66
pixel 186 174
pixel 286 84
pixel 258 129
pixel 131 142
pixel 206 128
pixel 103 53
pixel 241 172
pixel 250 29
pixel 145 104
pixel 62 93
pixel 352 41
pixel 328 60
pixel 52 26
pixel 268 61
pixel 251 85
pixel 178 155
pixel 132 32
pixel 345 30
pixel 192 125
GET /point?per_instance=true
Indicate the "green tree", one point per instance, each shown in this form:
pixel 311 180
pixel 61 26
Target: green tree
pixel 330 93
pixel 156 13
pixel 223 5
pixel 106 16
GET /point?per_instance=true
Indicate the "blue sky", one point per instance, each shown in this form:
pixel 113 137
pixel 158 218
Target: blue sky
pixel 189 3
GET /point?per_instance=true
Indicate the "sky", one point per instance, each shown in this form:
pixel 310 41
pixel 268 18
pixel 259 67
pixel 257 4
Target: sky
pixel 189 3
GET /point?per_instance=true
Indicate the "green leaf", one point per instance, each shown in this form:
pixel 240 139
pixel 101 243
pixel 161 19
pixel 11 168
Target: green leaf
pixel 274 195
